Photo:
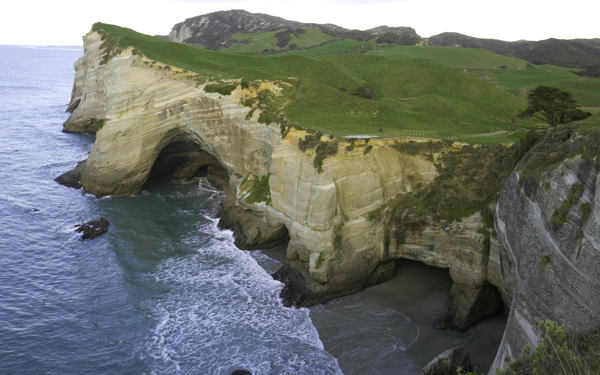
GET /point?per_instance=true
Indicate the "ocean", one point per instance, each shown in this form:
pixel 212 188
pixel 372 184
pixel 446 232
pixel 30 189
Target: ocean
pixel 164 291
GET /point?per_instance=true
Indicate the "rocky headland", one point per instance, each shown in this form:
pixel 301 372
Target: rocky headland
pixel 525 237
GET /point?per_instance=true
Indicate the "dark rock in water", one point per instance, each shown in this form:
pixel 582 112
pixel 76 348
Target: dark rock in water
pixel 93 228
pixel 294 293
pixel 72 178
pixel 448 363
pixel 241 372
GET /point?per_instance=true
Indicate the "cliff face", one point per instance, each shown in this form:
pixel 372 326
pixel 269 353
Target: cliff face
pixel 150 118
pixel 339 207
pixel 545 258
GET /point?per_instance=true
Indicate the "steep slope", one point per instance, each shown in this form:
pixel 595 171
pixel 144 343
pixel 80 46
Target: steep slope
pixel 546 256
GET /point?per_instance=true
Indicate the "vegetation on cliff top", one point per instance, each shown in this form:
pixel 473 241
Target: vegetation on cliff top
pixel 469 181
pixel 445 99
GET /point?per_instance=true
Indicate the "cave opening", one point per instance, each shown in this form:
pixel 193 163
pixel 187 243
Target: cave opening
pixel 184 157
pixel 422 293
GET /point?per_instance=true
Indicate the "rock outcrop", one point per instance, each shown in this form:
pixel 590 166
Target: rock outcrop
pixel 93 229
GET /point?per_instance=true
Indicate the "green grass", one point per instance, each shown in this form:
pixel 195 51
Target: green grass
pixel 446 100
pixel 585 90
pixel 458 58
pixel 263 40
pixel 339 46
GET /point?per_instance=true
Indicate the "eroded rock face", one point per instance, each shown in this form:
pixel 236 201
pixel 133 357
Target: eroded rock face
pixel 547 268
pixel 342 237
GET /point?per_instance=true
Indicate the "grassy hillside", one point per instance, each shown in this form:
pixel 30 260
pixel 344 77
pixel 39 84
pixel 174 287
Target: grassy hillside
pixel 585 90
pixel 575 53
pixel 435 97
pixel 276 40
pixel 459 58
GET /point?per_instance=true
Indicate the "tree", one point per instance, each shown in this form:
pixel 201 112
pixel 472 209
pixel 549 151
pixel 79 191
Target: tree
pixel 554 106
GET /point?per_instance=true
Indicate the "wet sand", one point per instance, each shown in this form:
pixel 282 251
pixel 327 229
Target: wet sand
pixel 364 331
pixel 422 293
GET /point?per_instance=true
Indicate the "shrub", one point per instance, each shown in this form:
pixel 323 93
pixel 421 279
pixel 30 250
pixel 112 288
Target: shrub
pixel 323 150
pixel 545 261
pixel 559 352
pixel 309 141
pixel 526 144
pixel 260 190
pixel 365 92
pixel 560 214
pixel 221 88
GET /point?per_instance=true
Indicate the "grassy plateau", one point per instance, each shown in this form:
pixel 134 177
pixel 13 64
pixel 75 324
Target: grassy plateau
pixel 415 88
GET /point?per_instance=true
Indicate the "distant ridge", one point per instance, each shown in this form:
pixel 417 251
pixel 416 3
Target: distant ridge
pixel 575 53
pixel 213 30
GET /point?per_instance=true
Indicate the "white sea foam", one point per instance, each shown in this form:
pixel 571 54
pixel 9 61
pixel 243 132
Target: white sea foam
pixel 223 313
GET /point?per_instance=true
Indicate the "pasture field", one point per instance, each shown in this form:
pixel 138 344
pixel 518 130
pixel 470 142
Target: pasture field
pixel 410 92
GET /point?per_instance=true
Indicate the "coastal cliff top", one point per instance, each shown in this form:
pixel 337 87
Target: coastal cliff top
pixel 361 94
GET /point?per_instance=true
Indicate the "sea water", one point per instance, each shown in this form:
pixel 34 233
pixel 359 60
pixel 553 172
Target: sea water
pixel 164 291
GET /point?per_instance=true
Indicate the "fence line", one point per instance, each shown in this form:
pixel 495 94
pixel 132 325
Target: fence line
pixel 400 133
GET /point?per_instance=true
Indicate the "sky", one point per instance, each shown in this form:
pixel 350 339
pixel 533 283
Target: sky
pixel 64 22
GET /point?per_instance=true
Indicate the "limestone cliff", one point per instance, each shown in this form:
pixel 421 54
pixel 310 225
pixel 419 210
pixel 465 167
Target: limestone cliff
pixel 150 117
pixel 351 209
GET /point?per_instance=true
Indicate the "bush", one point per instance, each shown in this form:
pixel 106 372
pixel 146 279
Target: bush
pixel 559 352
pixel 309 141
pixel 261 191
pixel 221 88
pixel 365 92
pixel 323 150
pixel 526 144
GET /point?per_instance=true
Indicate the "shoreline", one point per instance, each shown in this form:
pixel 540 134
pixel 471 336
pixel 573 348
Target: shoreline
pixel 422 294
